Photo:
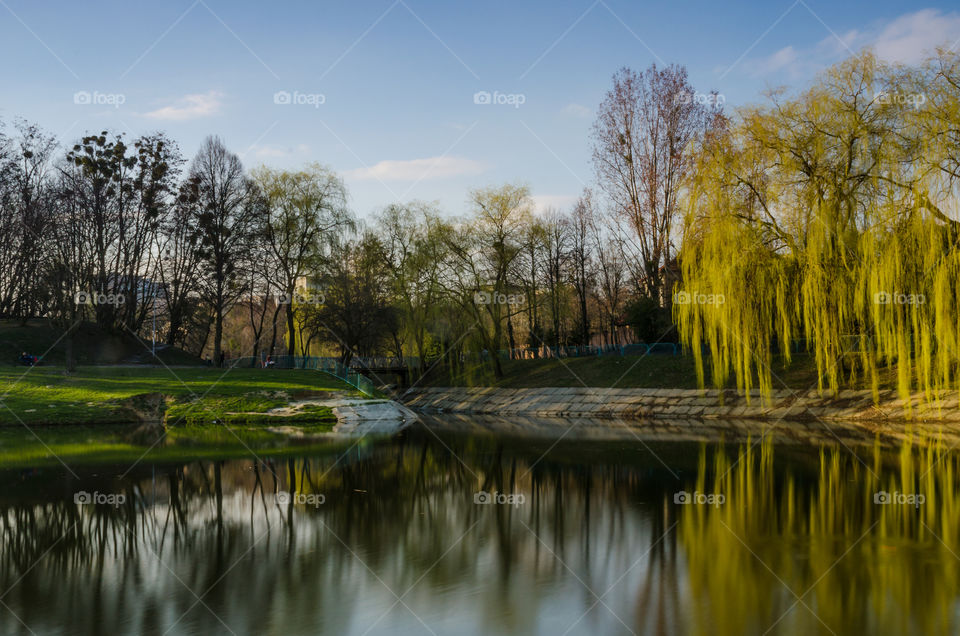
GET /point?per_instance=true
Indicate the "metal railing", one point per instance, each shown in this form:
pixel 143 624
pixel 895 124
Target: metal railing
pixel 582 351
pixel 330 366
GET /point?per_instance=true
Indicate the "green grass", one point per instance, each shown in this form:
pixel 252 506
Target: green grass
pixel 243 410
pixel 103 395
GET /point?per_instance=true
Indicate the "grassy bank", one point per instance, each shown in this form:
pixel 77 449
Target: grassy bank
pixel 91 345
pixel 653 371
pixel 196 396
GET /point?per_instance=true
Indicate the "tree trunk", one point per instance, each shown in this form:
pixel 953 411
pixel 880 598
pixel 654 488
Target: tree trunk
pixel 273 331
pixel 291 331
pixel 217 337
pixel 495 349
pixel 173 330
pixel 584 324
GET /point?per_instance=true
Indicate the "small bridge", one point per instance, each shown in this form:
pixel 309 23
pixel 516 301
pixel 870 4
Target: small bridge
pixel 379 366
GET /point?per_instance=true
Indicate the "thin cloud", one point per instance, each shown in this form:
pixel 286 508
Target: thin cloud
pixel 276 152
pixel 913 36
pixel 190 107
pixel 577 110
pixel 907 39
pixel 785 58
pixel 543 203
pixel 418 169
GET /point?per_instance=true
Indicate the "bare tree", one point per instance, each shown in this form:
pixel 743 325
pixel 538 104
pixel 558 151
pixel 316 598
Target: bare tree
pixel 611 274
pixel 529 266
pixel 640 138
pixel 556 242
pixel 25 219
pixel 177 265
pixel 228 211
pixel 581 261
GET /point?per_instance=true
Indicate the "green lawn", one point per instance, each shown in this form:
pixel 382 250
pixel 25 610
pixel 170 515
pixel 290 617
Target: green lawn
pixel 99 395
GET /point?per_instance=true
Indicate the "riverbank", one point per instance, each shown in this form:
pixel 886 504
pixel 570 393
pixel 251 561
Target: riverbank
pixel 171 396
pixel 688 404
pixel 128 414
pixel 188 397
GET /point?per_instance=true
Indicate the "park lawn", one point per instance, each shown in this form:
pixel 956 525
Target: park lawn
pixel 48 395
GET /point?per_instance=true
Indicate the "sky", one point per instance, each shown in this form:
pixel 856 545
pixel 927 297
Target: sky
pixel 416 99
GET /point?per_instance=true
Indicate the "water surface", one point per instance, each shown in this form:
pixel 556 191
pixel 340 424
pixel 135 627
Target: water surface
pixel 591 537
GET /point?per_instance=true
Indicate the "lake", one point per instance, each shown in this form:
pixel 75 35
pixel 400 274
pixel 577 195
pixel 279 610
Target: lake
pixel 472 526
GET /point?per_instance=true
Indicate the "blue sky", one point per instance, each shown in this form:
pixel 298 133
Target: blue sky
pixel 384 91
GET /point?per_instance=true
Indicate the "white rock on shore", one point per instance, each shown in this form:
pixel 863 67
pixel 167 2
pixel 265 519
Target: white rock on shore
pixel 365 417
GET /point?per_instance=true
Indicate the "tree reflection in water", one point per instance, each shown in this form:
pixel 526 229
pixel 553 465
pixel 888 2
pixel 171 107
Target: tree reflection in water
pixel 598 545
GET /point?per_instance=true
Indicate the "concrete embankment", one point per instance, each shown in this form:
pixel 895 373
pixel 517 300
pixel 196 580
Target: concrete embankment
pixel 849 433
pixel 681 404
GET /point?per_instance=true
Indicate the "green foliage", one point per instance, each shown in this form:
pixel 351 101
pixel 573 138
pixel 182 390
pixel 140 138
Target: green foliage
pixel 819 219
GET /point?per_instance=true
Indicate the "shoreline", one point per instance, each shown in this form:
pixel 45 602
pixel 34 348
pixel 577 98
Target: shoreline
pixel 687 404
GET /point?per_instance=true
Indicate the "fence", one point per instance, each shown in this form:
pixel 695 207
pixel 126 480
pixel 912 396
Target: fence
pixel 581 351
pixel 331 366
pixel 386 364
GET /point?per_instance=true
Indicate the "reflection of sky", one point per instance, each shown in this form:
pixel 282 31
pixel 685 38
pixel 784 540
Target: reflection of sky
pixel 583 552
pixel 460 567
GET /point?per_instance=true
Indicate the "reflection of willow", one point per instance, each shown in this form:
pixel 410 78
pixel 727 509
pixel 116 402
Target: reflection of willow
pixel 404 510
pixel 860 567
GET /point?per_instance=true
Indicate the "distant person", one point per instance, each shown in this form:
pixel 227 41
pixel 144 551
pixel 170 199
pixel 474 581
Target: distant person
pixel 223 357
pixel 270 362
pixel 27 359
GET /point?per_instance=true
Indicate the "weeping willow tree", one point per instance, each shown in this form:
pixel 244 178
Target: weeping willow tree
pixel 828 220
